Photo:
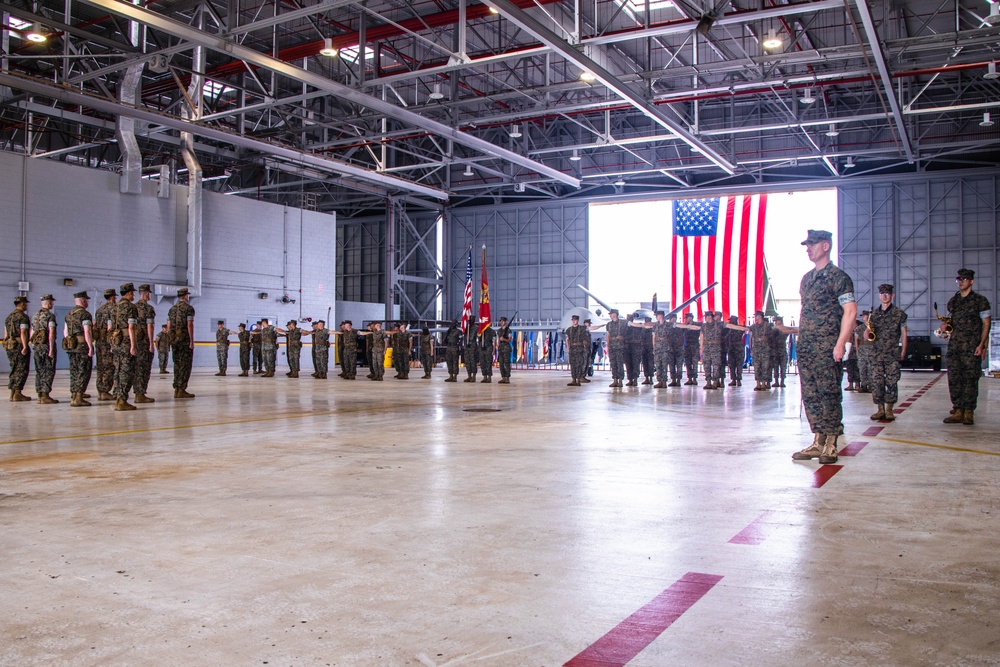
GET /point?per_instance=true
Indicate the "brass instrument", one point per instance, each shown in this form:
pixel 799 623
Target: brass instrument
pixel 870 333
pixel 947 327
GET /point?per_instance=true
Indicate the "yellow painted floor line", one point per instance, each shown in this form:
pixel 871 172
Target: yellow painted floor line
pixel 291 415
pixel 930 444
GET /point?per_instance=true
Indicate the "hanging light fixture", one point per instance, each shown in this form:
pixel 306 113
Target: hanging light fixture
pixel 515 131
pixel 994 16
pixel 436 93
pixel 986 122
pixel 849 164
pixel 807 97
pixel 328 49
pixel 493 10
pixel 833 131
pixel 468 170
pixel 991 71
pixel 36 36
pixel 587 76
pixel 772 41
pixel 575 157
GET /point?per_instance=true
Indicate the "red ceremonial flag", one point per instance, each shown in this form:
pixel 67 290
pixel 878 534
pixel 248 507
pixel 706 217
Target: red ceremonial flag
pixel 484 300
pixel 467 306
pixel 720 240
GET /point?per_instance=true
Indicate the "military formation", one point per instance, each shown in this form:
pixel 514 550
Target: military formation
pixel 121 341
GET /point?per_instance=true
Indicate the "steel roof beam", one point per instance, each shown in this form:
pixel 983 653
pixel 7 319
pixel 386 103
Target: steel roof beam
pixel 528 23
pixel 223 45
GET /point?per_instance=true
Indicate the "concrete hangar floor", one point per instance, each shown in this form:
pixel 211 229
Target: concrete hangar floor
pixel 307 522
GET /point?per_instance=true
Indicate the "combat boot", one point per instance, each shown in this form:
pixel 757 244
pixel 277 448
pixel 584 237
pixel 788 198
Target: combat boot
pixel 182 393
pixel 19 397
pixel 122 405
pixel 739 383
pixel 163 372
pixel 708 385
pixel 244 374
pixel 142 398
pixel 220 374
pixel 295 374
pixel 504 381
pixel 660 385
pixel 957 416
pixel 968 417
pixel 470 378
pixel 648 381
pixel 614 383
pixel 574 383
pixel 485 379
pixel 880 413
pixel 732 383
pixel 815 450
pixel 425 376
pixel 889 415
pixel 584 380
pixel 44 399
pixel 829 454
pixel 451 378
pixel 104 396
pixel 78 401
pixel 632 383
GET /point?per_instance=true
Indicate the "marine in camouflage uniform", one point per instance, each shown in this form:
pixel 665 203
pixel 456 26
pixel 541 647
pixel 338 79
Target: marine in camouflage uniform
pixel 579 349
pixel 79 326
pixel 825 326
pixel 257 350
pixel 633 352
pixel 163 348
pixel 452 350
pixel 321 349
pixel 123 342
pixel 43 338
pixel 504 340
pixel 711 351
pixel 245 344
pixel 646 339
pixel 736 351
pixel 144 344
pixel 760 351
pixel 268 347
pixel 968 344
pixel 661 348
pixel 863 347
pixel 778 353
pixel 402 342
pixel 889 323
pixel 426 340
pixel 487 342
pixel 181 326
pixel 376 343
pixel 349 338
pixel 222 334
pixel 471 354
pixel 692 349
pixel 17 329
pixel 617 331
pixel 105 365
pixel 293 338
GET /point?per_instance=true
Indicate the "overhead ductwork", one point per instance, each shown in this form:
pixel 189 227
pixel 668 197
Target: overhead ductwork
pixel 192 111
pixel 128 93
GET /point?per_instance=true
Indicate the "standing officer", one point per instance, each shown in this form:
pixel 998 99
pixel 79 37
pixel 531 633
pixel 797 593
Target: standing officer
pixel 321 349
pixel 180 324
pixel 967 345
pixel 579 348
pixel 349 339
pixel 471 356
pixel 105 365
pixel 692 348
pixel 43 337
pixel 736 352
pixel 711 351
pixel 504 339
pixel 863 346
pixel 889 324
pixel 829 312
pixel 646 339
pixel 760 351
pixel 78 336
pixel 633 350
pixel 121 330
pixel 617 332
pixel 163 348
pixel 293 337
pixel 453 343
pixel 426 340
pixel 144 345
pixel 17 328
pixel 487 343
pixel 376 343
pixel 778 352
pixel 402 344
pixel 245 344
pixel 256 348
pixel 222 334
pixel 268 347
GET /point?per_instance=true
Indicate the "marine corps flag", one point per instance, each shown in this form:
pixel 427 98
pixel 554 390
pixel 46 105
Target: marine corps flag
pixel 484 300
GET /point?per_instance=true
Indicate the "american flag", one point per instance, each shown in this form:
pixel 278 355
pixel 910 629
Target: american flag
pixel 467 307
pixel 720 240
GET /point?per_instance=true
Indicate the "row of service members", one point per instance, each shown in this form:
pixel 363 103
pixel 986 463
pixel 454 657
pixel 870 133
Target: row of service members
pixel 119 336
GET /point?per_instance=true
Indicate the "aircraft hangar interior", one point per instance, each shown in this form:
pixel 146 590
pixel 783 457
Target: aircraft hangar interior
pixel 232 180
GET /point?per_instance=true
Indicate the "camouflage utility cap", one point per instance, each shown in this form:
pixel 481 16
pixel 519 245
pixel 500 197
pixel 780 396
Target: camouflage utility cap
pixel 81 295
pixel 184 291
pixel 47 297
pixel 817 236
pixel 126 288
pixel 108 293
pixel 967 274
pixel 145 288
pixel 18 300
pixel 885 288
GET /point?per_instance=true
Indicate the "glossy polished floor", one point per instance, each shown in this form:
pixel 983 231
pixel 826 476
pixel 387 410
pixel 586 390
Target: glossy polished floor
pixel 306 522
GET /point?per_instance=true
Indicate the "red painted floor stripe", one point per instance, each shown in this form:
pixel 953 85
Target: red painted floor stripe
pixel 873 431
pixel 852 448
pixel 823 475
pixel 907 404
pixel 755 532
pixel 639 630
